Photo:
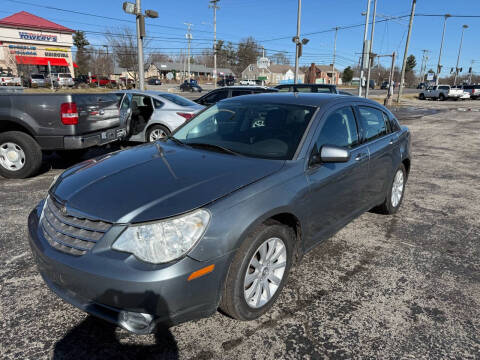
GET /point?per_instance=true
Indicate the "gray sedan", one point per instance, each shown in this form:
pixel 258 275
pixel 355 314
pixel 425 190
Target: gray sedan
pixel 216 216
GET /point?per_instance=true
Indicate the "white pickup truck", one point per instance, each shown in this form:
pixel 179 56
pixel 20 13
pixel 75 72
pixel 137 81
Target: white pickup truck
pixel 441 92
pixel 7 79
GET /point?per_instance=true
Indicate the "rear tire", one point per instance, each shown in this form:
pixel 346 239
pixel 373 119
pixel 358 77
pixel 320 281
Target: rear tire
pixel 441 97
pixel 20 155
pixel 258 278
pixel 157 132
pixel 395 193
pixel 421 96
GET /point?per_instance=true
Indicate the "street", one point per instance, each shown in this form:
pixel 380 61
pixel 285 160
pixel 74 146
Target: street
pixel 406 286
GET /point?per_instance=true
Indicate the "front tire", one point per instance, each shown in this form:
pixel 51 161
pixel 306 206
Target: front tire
pixel 395 193
pixel 421 96
pixel 441 97
pixel 258 272
pixel 20 155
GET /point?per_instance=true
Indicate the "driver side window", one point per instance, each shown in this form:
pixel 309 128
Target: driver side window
pixel 339 129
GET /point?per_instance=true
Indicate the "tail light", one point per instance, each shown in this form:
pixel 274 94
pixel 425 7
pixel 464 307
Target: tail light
pixel 69 113
pixel 187 116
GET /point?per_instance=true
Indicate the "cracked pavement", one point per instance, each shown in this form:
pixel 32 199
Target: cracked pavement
pixel 390 287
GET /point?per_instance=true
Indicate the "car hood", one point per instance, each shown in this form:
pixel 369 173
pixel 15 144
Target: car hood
pixel 154 181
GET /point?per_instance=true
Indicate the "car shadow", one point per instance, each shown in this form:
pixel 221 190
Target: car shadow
pixel 94 338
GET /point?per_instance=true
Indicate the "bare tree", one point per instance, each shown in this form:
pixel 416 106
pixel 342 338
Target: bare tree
pixel 158 57
pixel 101 63
pixel 124 44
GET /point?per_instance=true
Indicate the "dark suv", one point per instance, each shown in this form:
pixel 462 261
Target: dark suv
pixel 219 94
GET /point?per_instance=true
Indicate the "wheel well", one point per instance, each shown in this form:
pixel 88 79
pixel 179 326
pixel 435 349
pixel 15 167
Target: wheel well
pixel 292 222
pixel 155 124
pixel 6 125
pixel 406 163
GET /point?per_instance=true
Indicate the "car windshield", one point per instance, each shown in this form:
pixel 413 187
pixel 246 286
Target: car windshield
pixel 264 130
pixel 178 100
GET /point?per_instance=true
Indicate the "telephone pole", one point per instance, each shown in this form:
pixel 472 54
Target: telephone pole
pixel 188 35
pixel 334 78
pixel 365 34
pixel 370 57
pixel 459 51
pixel 213 5
pixel 405 55
pixel 439 65
pixel 423 67
pixel 297 55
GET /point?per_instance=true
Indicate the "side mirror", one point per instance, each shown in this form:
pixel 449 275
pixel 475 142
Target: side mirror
pixel 333 154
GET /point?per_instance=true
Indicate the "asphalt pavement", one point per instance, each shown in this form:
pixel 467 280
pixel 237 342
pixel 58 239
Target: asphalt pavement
pixel 386 287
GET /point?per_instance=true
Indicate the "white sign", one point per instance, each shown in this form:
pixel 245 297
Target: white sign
pixel 169 76
pixel 263 63
pixel 430 76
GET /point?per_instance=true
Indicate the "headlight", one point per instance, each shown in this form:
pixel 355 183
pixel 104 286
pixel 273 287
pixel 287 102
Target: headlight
pixel 165 240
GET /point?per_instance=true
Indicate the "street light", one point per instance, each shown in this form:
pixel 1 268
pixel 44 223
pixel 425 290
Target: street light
pixel 439 66
pixel 459 51
pixel 136 9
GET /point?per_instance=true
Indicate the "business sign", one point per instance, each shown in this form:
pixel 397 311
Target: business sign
pixel 430 76
pixel 263 63
pixel 56 55
pixel 22 47
pixel 56 49
pixel 37 36
pixel 23 53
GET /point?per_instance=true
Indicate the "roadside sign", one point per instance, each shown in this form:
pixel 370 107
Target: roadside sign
pixel 263 63
pixel 262 78
pixel 430 76
pixel 169 76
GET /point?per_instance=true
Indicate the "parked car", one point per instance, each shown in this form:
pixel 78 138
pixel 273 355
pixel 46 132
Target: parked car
pixel 473 90
pixel 224 93
pixel 190 86
pixel 440 92
pixel 8 79
pixel 153 115
pixel 248 82
pixel 35 80
pixel 466 94
pixel 314 88
pixel 61 79
pixel 216 216
pixel 32 123
pixel 102 80
pixel 154 81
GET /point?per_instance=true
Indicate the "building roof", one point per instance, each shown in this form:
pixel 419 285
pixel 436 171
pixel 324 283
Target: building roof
pixel 276 68
pixel 24 19
pixel 326 68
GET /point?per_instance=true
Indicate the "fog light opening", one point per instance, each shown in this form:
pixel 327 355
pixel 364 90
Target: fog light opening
pixel 135 322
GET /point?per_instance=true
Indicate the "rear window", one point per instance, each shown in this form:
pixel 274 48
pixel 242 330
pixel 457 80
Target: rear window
pixel 178 100
pixel 37 76
pixel 64 75
pixel 443 87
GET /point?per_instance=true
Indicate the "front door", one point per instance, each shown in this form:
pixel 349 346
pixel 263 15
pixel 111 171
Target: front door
pixel 336 189
pixel 126 112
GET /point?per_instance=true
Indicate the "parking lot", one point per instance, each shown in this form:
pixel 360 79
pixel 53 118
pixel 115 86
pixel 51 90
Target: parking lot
pixel 406 286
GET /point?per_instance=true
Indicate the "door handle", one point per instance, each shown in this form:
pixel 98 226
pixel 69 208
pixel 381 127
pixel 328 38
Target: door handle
pixel 393 141
pixel 360 157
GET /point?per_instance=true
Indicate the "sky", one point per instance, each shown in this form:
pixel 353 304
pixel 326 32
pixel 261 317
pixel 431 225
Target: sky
pixel 269 20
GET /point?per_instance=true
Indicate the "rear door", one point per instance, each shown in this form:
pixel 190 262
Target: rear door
pixel 336 189
pixel 375 129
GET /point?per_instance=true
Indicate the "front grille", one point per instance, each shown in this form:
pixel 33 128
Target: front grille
pixel 69 234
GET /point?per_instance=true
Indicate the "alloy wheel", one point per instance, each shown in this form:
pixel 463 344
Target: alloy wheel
pixel 265 272
pixel 157 134
pixel 12 156
pixel 397 188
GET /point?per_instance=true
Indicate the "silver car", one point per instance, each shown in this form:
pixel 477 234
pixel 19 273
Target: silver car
pixel 62 79
pixel 153 115
pixel 36 80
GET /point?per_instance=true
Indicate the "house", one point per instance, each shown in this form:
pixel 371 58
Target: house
pixel 323 74
pixel 161 69
pixel 274 74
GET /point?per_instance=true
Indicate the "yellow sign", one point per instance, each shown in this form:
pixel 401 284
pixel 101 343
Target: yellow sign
pixel 55 49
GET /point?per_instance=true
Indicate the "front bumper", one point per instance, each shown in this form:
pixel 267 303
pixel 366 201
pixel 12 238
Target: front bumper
pixel 104 282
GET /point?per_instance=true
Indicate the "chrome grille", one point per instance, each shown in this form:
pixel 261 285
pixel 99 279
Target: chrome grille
pixel 69 234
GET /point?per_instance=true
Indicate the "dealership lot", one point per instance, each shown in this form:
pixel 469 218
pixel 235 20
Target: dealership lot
pixel 383 287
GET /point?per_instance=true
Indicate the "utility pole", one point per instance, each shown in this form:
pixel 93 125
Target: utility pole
pixel 470 73
pixel 334 78
pixel 188 35
pixel 439 65
pixel 424 65
pixel 213 5
pixel 365 34
pixel 458 57
pixel 402 76
pixel 297 40
pixel 388 99
pixel 370 57
pixel 136 9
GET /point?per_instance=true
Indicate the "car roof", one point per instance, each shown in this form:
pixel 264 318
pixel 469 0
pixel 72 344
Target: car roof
pixel 308 99
pixel 307 85
pixel 240 87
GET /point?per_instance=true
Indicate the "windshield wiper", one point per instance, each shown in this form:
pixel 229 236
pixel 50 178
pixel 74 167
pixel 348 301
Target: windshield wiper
pixel 214 147
pixel 175 140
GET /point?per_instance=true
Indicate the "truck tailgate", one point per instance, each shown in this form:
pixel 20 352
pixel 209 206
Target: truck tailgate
pixel 96 112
